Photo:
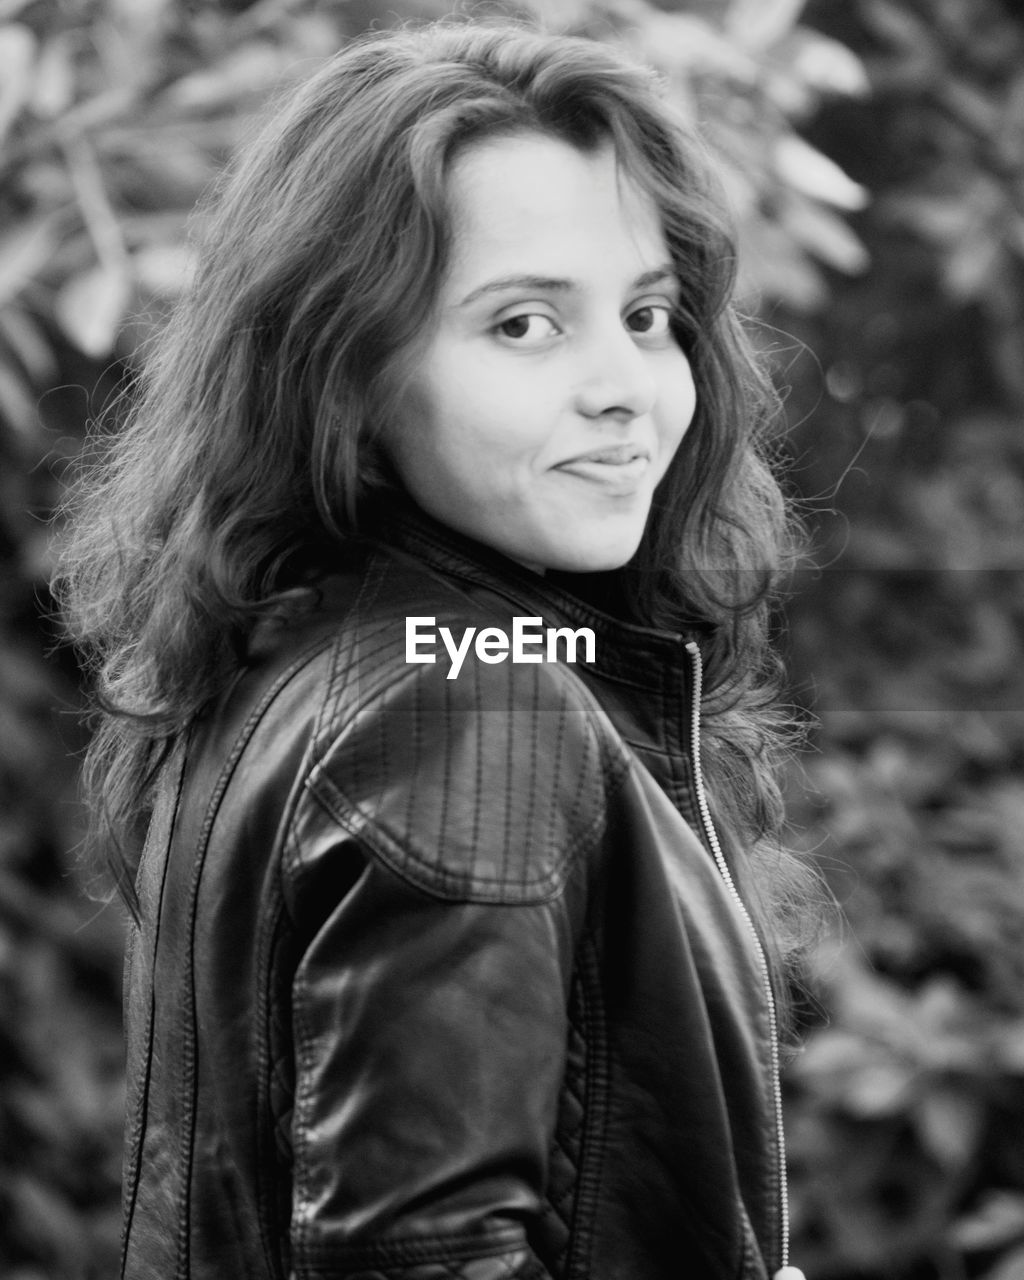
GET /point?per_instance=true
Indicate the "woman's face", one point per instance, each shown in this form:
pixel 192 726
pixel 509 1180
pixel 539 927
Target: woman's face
pixel 549 396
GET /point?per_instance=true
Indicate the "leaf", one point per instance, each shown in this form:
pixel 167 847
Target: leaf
pixel 1010 1049
pixel 1015 235
pixel 970 268
pixel 252 69
pixel 17 56
pixel 899 26
pixel 949 1122
pixel 971 106
pixel 560 15
pixel 28 344
pixel 997 1221
pixel 54 82
pixel 163 269
pixel 91 307
pixel 881 1089
pixel 826 235
pixel 805 169
pixel 681 42
pixel 759 24
pixel 17 406
pixel 139 13
pixel 826 65
pixel 46 1217
pixel 23 252
pixel 773 266
pixel 1011 1267
pixel 939 218
pixel 829 1056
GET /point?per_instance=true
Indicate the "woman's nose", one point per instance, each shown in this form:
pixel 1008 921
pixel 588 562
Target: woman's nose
pixel 616 377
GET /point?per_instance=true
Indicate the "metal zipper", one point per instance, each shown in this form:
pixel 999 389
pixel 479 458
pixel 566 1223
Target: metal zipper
pixel 773 1022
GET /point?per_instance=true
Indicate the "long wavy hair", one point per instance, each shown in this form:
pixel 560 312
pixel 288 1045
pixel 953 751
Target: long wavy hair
pixel 252 442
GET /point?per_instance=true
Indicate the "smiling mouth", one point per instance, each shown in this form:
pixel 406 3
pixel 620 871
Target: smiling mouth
pixel 620 467
pixel 615 455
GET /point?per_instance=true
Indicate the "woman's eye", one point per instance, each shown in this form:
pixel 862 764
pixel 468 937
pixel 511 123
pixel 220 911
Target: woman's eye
pixel 652 320
pixel 527 328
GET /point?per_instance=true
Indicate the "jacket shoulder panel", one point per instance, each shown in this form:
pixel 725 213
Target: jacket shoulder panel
pixel 485 787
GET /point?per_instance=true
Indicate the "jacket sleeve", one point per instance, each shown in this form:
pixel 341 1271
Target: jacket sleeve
pixel 430 1005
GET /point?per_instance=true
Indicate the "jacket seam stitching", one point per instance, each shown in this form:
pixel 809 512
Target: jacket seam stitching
pixel 303 1058
pixel 616 768
pixel 596 1094
pixel 268 943
pixel 385 846
pixel 135 1171
pixel 749 1253
pixel 369 589
pixel 435 1248
pixel 189 1015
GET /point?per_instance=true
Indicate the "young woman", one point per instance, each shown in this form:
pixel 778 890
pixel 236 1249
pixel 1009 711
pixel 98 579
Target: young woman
pixel 426 594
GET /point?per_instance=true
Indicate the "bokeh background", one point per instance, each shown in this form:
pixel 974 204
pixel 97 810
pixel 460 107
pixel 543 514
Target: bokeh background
pixel 874 153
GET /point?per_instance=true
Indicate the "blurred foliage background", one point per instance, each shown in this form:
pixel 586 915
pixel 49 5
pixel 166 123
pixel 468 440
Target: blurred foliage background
pixel 874 153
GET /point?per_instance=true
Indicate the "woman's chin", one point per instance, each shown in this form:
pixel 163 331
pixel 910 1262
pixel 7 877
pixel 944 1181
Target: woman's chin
pixel 594 558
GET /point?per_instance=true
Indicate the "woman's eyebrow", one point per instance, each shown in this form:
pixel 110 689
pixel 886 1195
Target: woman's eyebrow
pixel 555 284
pixel 542 284
pixel 660 275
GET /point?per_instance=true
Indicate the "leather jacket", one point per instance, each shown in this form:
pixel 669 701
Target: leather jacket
pixel 446 979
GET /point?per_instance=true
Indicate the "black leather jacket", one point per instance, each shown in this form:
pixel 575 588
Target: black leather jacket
pixel 445 978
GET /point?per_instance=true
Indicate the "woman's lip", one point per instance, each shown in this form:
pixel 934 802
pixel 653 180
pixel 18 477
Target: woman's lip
pixel 612 454
pixel 622 474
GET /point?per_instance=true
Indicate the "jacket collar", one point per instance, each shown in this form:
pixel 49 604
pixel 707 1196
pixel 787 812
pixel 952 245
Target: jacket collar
pixel 626 645
pixel 641 675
